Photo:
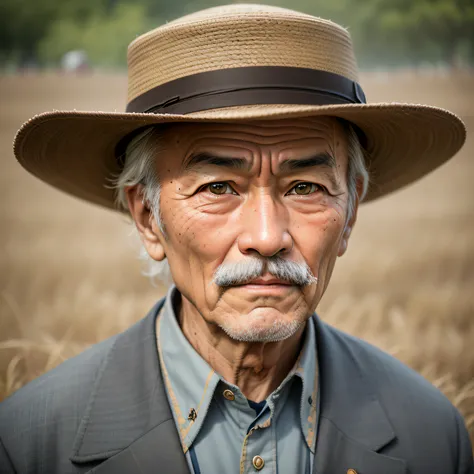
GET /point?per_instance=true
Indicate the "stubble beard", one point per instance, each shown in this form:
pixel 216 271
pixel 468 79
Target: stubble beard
pixel 278 331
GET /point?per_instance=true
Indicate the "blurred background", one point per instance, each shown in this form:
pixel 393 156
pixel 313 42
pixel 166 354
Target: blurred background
pixel 70 274
pixel 387 33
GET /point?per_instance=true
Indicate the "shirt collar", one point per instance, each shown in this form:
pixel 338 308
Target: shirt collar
pixel 306 368
pixel 190 382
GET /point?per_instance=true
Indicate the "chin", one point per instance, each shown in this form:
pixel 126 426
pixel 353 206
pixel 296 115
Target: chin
pixel 261 325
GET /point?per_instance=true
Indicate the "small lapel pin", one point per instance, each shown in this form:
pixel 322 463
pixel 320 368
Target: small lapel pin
pixel 193 415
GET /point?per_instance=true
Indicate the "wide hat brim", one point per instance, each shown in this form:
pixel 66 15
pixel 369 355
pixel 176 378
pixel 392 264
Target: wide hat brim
pixel 77 151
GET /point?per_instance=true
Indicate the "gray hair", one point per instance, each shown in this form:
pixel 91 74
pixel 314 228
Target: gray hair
pixel 357 172
pixel 139 168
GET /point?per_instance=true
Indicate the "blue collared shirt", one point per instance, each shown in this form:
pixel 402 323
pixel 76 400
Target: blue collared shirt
pixel 222 431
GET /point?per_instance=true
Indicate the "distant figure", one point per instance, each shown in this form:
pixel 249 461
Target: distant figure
pixel 75 61
pixel 245 151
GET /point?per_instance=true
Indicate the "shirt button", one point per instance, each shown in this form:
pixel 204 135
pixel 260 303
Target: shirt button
pixel 229 395
pixel 258 462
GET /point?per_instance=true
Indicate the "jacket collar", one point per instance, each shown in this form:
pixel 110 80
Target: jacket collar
pixel 128 408
pixel 353 426
pixel 347 397
pixel 129 425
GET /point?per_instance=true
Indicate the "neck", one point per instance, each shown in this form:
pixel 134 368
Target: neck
pixel 257 368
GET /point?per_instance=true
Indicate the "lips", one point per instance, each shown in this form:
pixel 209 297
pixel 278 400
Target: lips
pixel 267 281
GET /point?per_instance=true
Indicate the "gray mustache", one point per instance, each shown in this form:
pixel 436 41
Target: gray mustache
pixel 230 274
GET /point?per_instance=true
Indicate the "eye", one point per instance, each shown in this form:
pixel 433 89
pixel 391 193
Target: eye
pixel 305 188
pixel 220 188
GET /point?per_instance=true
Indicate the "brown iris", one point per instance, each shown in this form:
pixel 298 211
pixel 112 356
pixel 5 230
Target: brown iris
pixel 303 188
pixel 218 188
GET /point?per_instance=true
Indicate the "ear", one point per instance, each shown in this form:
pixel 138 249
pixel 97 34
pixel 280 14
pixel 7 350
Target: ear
pixel 150 234
pixel 350 224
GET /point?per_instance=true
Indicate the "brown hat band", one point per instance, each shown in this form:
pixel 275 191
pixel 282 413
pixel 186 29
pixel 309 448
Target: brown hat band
pixel 248 86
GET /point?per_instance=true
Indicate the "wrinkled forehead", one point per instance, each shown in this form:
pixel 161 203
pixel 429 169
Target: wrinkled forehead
pixel 295 135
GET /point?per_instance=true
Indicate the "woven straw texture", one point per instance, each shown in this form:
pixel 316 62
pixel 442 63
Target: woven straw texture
pixel 238 36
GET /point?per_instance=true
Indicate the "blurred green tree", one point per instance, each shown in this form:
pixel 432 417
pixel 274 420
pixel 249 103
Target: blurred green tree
pixel 411 31
pixel 385 32
pixel 104 36
pixel 24 23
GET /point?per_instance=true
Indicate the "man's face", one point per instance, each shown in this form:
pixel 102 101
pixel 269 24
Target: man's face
pixel 233 193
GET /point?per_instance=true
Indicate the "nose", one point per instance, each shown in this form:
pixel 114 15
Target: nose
pixel 265 228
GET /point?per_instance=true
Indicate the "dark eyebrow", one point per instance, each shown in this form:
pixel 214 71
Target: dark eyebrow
pixel 321 159
pixel 209 159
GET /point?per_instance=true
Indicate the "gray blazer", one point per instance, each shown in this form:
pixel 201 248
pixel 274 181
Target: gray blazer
pixel 106 412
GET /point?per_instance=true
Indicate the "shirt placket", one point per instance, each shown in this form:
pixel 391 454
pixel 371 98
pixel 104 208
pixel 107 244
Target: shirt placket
pixel 259 450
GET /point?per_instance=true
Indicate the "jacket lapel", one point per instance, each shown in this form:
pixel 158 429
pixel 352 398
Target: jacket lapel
pixel 353 426
pixel 128 426
pixel 157 451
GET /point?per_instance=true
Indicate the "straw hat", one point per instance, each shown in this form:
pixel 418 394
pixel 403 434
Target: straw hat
pixel 235 63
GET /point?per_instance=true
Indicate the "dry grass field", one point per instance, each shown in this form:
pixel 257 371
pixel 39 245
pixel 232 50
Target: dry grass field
pixel 69 274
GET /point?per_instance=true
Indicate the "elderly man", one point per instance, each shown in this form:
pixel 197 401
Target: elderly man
pixel 245 151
